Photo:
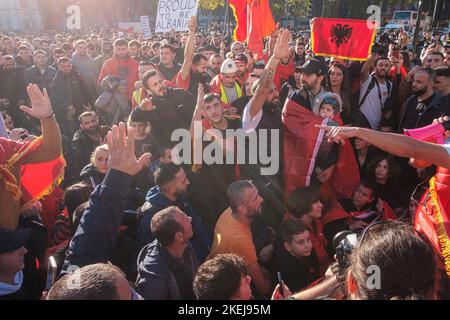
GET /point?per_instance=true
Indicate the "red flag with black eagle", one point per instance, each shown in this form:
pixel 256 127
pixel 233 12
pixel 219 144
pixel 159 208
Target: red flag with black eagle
pixel 301 144
pixel 254 22
pixel 342 38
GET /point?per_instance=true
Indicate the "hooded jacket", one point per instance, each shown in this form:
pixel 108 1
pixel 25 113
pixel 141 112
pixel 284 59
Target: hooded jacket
pixel 158 272
pixel 155 202
pixel 8 290
pixel 91 175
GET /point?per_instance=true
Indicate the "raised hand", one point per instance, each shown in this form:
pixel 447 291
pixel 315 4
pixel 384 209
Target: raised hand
pixel 281 50
pixel 41 107
pixel 147 104
pixel 338 134
pixel 121 151
pixel 192 24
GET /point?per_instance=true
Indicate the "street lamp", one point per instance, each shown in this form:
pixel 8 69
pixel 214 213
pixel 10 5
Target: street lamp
pixel 416 31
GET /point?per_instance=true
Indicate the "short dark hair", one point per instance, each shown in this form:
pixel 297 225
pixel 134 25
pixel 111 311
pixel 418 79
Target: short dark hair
pixel 120 42
pixel 436 53
pixel 430 72
pixel 370 185
pixel 443 71
pixel 147 75
pixel 207 47
pixel 94 282
pixel 86 114
pixel 134 43
pixel 235 193
pixel 66 46
pixel 198 57
pixel 58 50
pixel 219 278
pixel 166 173
pixel 63 60
pixel 75 195
pixel 379 59
pixel 164 226
pixel 168 46
pixel 301 200
pixel 23 47
pixel 290 228
pixel 156 45
pixel 39 51
pixel 209 97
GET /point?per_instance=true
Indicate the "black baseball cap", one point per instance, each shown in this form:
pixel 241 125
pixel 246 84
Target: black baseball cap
pixel 241 58
pixel 13 240
pixel 313 66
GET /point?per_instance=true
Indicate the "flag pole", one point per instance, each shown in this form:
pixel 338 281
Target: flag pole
pixel 226 17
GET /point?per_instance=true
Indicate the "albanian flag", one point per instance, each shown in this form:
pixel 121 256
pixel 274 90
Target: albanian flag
pixel 432 219
pixel 254 22
pixel 342 38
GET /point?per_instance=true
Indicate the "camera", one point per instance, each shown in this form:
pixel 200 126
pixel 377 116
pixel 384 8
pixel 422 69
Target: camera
pixel 344 243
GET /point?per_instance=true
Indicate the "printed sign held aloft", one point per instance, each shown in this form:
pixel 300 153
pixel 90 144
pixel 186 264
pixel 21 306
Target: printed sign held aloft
pixel 175 14
pixel 145 27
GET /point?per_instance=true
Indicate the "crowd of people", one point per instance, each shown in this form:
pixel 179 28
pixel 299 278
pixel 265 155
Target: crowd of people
pixel 118 217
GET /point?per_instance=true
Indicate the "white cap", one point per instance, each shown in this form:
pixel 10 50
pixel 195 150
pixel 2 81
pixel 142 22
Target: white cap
pixel 228 66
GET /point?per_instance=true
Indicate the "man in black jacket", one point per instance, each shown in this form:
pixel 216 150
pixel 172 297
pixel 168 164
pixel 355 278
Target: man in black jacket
pixel 67 89
pixel 12 88
pixel 166 109
pixel 86 139
pixel 40 73
pixel 168 265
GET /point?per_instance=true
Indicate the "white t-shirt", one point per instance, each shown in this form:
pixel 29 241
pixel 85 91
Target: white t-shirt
pixel 250 124
pixel 371 108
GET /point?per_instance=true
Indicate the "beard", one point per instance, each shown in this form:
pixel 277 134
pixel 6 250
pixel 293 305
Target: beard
pixel 274 104
pixel 419 92
pixel 94 130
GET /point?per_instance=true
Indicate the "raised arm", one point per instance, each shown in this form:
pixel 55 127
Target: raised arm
pixel 95 237
pixel 396 144
pixel 189 51
pixel 281 51
pixel 367 67
pixel 41 108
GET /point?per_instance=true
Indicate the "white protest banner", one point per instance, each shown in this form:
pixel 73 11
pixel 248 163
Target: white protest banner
pixel 175 14
pixel 145 27
pixel 73 22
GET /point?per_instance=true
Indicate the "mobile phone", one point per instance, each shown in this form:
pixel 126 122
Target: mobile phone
pixel 52 272
pixel 280 282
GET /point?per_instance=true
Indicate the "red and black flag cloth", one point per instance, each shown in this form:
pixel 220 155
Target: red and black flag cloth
pixel 342 38
pixel 254 22
pixel 301 143
pixel 37 179
pixel 432 220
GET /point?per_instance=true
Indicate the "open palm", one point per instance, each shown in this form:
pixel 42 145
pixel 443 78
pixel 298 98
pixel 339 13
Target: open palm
pixel 41 106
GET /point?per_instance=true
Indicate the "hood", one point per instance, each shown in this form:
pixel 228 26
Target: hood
pixel 151 263
pixel 91 171
pixel 321 97
pixel 6 289
pixel 156 197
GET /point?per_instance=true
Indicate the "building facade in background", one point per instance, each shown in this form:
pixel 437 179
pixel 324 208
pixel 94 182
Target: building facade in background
pixel 20 15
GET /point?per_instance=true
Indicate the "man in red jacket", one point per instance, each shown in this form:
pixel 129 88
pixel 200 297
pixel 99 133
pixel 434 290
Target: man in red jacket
pixel 121 65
